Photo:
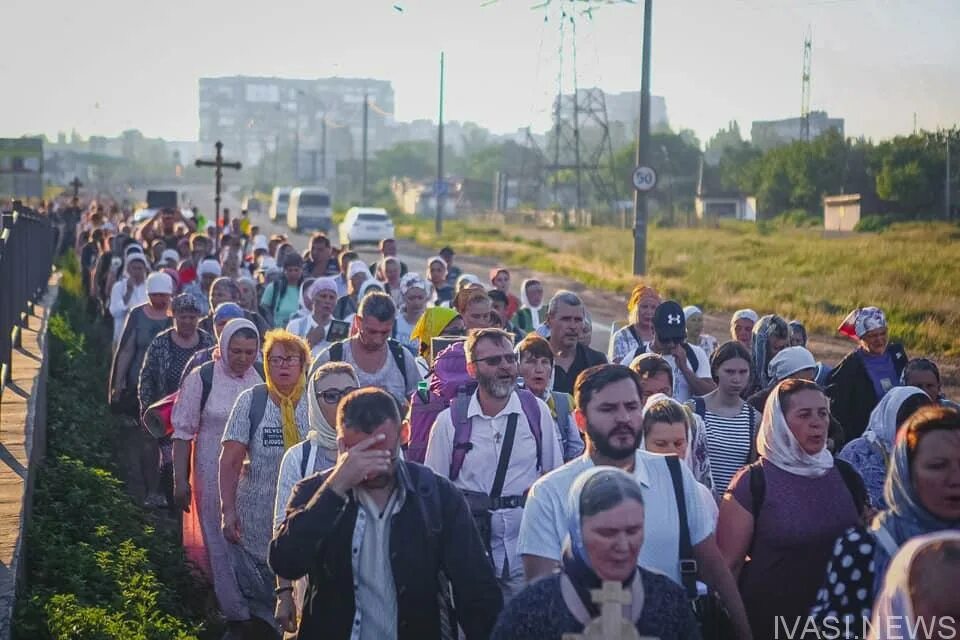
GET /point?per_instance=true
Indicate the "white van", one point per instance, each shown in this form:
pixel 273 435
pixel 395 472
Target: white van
pixel 310 209
pixel 279 202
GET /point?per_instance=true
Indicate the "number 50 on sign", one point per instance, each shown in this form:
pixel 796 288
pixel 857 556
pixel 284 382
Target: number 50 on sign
pixel 644 179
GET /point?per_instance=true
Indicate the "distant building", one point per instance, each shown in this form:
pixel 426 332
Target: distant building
pixel 254 115
pixel 767 134
pixel 21 167
pixel 713 202
pixel 622 111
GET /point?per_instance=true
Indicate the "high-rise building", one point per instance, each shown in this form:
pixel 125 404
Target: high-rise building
pixel 255 115
pixel 767 134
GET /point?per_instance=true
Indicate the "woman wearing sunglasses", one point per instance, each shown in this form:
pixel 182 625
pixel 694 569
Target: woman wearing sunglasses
pixel 326 388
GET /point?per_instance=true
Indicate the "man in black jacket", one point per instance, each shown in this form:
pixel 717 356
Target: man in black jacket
pixel 374 535
pixel 565 313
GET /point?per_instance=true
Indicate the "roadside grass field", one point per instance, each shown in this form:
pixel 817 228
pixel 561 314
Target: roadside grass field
pixel 911 271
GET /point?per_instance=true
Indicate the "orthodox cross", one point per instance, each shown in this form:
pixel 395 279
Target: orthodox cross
pixel 611 625
pixel 219 164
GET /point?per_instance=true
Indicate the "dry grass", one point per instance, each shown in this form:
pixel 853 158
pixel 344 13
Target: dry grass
pixel 911 271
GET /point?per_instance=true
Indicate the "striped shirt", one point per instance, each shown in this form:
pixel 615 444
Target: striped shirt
pixel 728 443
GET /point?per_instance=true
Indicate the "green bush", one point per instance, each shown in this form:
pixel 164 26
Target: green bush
pixel 874 223
pixel 97 567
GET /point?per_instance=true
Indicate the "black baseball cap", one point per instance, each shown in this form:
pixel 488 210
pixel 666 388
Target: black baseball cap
pixel 669 321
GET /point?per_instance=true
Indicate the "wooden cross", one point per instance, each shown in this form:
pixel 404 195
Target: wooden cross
pixel 611 625
pixel 219 164
pixel 76 184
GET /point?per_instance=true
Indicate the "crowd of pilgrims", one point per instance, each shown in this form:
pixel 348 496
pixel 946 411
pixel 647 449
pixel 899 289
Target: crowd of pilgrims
pixel 367 451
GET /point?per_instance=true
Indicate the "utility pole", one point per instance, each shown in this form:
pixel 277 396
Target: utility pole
pixel 643 151
pixel 219 164
pixel 441 185
pixel 296 144
pixel 947 193
pixel 366 110
pixel 276 157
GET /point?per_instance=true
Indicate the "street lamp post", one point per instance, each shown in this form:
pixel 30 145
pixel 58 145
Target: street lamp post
pixel 643 151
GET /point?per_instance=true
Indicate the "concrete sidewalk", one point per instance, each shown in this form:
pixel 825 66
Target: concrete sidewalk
pixel 23 421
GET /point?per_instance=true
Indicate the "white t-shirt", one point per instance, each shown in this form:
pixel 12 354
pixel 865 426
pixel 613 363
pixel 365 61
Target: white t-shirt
pixel 545 517
pixel 681 390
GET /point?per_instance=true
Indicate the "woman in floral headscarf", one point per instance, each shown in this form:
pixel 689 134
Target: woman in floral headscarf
pixel 866 374
pixel 921 494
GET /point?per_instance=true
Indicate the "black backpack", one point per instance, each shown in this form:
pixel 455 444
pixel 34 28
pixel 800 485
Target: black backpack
pixel 206 380
pixel 851 478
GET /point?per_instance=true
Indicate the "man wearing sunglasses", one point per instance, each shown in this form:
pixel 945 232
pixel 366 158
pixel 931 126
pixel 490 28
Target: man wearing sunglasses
pixel 690 363
pixel 493 445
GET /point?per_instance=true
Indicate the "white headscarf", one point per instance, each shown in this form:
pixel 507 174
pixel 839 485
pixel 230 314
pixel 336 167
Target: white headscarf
pixel 654 399
pixel 776 443
pixel 525 302
pixel 882 427
pixel 893 608
pixel 223 345
pixel 321 431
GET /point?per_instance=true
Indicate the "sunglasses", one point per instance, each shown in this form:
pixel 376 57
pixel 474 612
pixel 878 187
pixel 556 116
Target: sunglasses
pixel 494 361
pixel 333 396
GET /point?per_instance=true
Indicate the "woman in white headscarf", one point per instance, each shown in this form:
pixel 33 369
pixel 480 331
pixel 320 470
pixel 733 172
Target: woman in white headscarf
pixel 602 500
pixel 528 317
pixel 129 292
pixel 198 425
pixel 695 335
pixel 870 453
pixel 741 326
pixel 786 509
pixel 920 599
pixel 414 294
pixel 326 388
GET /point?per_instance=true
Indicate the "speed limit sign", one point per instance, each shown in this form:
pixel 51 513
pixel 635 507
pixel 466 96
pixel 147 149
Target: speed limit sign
pixel 644 179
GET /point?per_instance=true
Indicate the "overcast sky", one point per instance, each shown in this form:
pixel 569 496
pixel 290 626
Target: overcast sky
pixel 103 66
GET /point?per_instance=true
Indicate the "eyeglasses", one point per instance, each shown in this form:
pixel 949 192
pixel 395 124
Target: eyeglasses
pixel 494 361
pixel 333 396
pixel 288 361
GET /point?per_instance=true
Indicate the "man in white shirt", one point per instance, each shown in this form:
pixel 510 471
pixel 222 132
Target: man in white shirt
pixel 690 363
pixel 609 410
pixel 493 408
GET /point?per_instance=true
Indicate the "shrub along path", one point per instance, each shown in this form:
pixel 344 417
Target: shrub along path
pixel 98 565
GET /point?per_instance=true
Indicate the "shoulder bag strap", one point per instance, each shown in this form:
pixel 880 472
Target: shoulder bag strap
pixel 688 565
pixel 504 460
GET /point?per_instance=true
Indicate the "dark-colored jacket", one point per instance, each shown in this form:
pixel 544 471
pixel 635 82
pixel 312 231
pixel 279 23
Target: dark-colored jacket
pixel 851 391
pixel 433 531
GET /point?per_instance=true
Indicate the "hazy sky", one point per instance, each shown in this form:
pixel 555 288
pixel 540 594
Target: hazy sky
pixel 102 66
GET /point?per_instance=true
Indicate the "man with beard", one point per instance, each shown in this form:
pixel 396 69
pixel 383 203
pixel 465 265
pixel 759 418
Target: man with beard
pixel 609 410
pixel 495 477
pixel 373 535
pixel 565 317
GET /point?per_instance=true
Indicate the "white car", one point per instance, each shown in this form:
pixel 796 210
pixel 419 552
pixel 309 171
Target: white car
pixel 365 225
pixel 142 215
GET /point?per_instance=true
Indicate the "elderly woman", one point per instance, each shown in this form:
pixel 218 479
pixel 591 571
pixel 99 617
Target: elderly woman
pixel 314 327
pixel 434 323
pixel 741 326
pixel 248 293
pixel 605 533
pixel 347 305
pixel 870 453
pixel 142 324
pixel 920 590
pixel 207 273
pixel 388 272
pixel 785 510
pixel 224 313
pixel 328 385
pixel 528 318
pixel 199 426
pixel 643 303
pixel 306 304
pixel 925 374
pixel 414 293
pixel 867 373
pixel 921 493
pixel 771 335
pixel 695 335
pixel 163 367
pixel 437 275
pixel 264 423
pixel 129 292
